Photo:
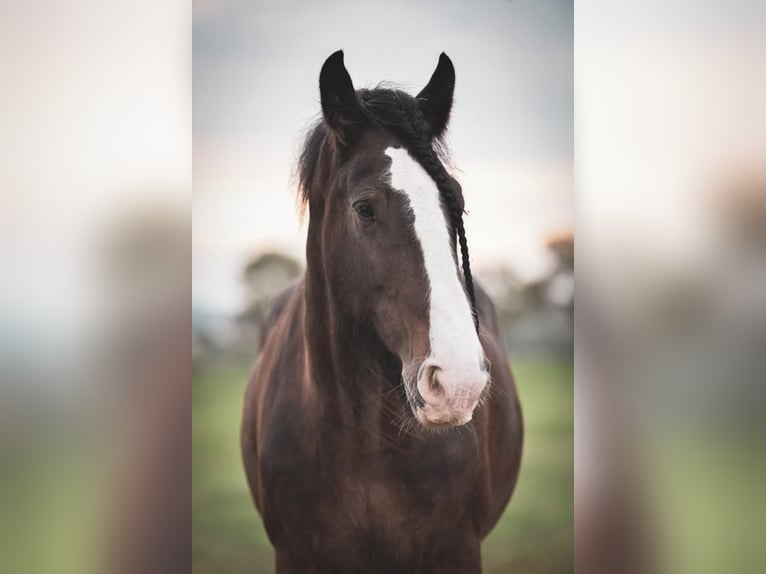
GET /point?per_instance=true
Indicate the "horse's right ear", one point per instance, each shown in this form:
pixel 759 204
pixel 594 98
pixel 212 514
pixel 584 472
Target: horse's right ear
pixel 340 107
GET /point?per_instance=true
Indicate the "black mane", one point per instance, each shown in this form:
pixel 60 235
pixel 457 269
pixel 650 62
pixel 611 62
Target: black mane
pixel 383 107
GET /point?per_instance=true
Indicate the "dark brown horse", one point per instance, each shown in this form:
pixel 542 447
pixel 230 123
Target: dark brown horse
pixel 381 431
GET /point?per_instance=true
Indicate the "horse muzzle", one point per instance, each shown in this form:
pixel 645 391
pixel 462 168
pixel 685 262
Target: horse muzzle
pixel 450 393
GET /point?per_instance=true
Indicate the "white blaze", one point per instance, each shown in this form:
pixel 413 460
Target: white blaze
pixel 453 338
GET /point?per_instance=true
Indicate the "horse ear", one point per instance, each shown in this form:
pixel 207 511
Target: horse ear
pixel 435 100
pixel 340 107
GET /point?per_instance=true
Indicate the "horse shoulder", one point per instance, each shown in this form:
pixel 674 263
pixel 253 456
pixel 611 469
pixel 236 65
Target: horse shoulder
pixel 269 387
pixel 276 309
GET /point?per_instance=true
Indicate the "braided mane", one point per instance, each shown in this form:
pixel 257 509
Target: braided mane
pixel 398 112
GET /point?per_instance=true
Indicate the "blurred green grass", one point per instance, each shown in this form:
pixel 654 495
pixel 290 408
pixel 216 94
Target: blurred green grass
pixel 534 536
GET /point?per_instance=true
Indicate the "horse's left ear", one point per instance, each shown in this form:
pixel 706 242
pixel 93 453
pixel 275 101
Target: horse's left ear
pixel 435 100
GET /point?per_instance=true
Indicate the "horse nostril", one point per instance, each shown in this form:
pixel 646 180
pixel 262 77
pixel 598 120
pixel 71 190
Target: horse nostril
pixel 434 384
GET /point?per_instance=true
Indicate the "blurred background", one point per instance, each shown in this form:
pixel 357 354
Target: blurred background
pixel 256 73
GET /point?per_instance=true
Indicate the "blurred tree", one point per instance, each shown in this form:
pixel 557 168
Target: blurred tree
pixel 264 277
pixel 505 288
pixel 267 274
pixel 739 205
pixel 562 246
pixel 559 288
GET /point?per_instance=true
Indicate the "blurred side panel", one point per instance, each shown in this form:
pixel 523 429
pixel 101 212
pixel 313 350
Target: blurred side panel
pixel 95 185
pixel 671 269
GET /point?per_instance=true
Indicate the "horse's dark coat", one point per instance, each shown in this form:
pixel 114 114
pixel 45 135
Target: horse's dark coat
pixel 345 481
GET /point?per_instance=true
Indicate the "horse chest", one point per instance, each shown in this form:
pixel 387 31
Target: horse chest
pixel 350 497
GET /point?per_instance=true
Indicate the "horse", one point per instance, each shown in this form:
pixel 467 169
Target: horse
pixel 382 431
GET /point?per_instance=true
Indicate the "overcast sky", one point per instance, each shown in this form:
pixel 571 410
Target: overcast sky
pixel 256 68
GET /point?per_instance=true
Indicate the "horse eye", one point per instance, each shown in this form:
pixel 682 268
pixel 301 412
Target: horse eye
pixel 364 210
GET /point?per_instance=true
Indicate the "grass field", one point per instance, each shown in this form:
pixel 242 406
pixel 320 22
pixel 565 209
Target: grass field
pixel 535 535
